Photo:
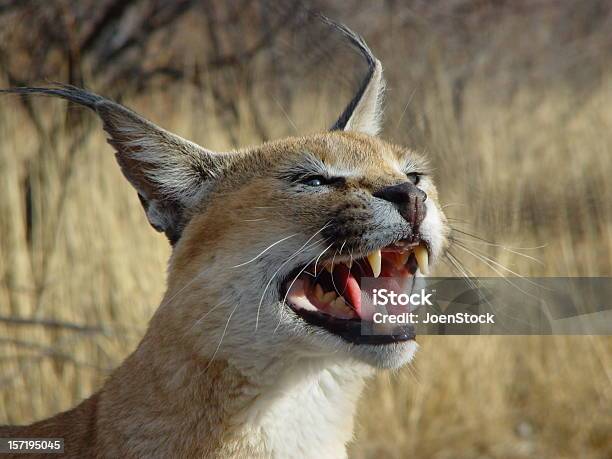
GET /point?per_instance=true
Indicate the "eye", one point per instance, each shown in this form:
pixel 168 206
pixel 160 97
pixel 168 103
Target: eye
pixel 314 180
pixel 414 177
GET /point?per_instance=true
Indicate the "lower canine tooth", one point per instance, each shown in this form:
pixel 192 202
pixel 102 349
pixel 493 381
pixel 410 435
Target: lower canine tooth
pixel 375 259
pixel 340 303
pixel 422 257
pixel 341 307
pixel 329 297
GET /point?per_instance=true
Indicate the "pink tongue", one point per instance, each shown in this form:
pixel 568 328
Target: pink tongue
pixel 348 286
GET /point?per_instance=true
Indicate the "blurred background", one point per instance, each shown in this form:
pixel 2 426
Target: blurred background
pixel 511 100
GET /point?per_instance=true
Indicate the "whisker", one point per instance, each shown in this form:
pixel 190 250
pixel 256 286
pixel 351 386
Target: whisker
pixel 491 244
pixel 486 259
pixel 206 314
pixel 296 278
pixel 475 236
pixel 459 220
pixel 265 250
pixel 465 272
pixel 332 278
pixel 333 264
pixel 297 252
pixel 453 204
pixel 492 265
pixel 472 235
pixel 469 276
pixel 320 255
pixel 191 281
pixel 481 239
pixel 249 220
pixel 477 288
pixel 221 339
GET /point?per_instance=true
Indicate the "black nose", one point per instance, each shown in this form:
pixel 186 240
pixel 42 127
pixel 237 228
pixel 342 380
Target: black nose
pixel 409 200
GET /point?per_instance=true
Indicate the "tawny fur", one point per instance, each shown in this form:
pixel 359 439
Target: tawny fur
pixel 226 369
pixel 168 399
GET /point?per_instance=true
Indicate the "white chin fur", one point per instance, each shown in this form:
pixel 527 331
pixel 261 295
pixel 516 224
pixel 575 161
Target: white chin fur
pixel 388 356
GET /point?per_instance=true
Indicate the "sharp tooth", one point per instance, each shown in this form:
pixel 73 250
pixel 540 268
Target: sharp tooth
pixel 375 260
pixel 329 297
pixel 342 308
pixel 349 264
pixel 340 304
pixel 403 258
pixel 318 292
pixel 422 257
pixel 329 267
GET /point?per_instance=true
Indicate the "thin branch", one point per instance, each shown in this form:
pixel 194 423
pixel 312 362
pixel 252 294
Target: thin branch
pixel 56 324
pixel 47 351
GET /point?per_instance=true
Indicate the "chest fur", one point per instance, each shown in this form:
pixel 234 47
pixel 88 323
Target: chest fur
pixel 308 414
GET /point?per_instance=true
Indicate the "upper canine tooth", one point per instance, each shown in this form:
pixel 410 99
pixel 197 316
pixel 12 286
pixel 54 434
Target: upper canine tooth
pixel 375 259
pixel 329 267
pixel 349 264
pixel 422 257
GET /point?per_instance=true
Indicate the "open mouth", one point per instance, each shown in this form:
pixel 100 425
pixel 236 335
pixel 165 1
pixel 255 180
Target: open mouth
pixel 328 293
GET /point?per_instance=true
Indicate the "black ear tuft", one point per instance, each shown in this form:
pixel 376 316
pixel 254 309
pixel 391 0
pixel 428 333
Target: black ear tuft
pixel 364 111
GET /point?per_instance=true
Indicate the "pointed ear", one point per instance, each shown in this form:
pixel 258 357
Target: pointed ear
pixel 169 173
pixel 364 112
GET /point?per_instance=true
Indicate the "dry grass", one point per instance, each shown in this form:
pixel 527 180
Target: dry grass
pixel 529 171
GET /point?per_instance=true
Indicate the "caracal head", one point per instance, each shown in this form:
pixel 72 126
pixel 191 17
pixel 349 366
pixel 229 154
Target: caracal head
pixel 261 245
pixel 270 243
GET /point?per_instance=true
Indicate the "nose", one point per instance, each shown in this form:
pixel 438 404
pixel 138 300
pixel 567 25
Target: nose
pixel 409 200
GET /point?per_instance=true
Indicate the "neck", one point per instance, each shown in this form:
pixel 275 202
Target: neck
pixel 165 401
